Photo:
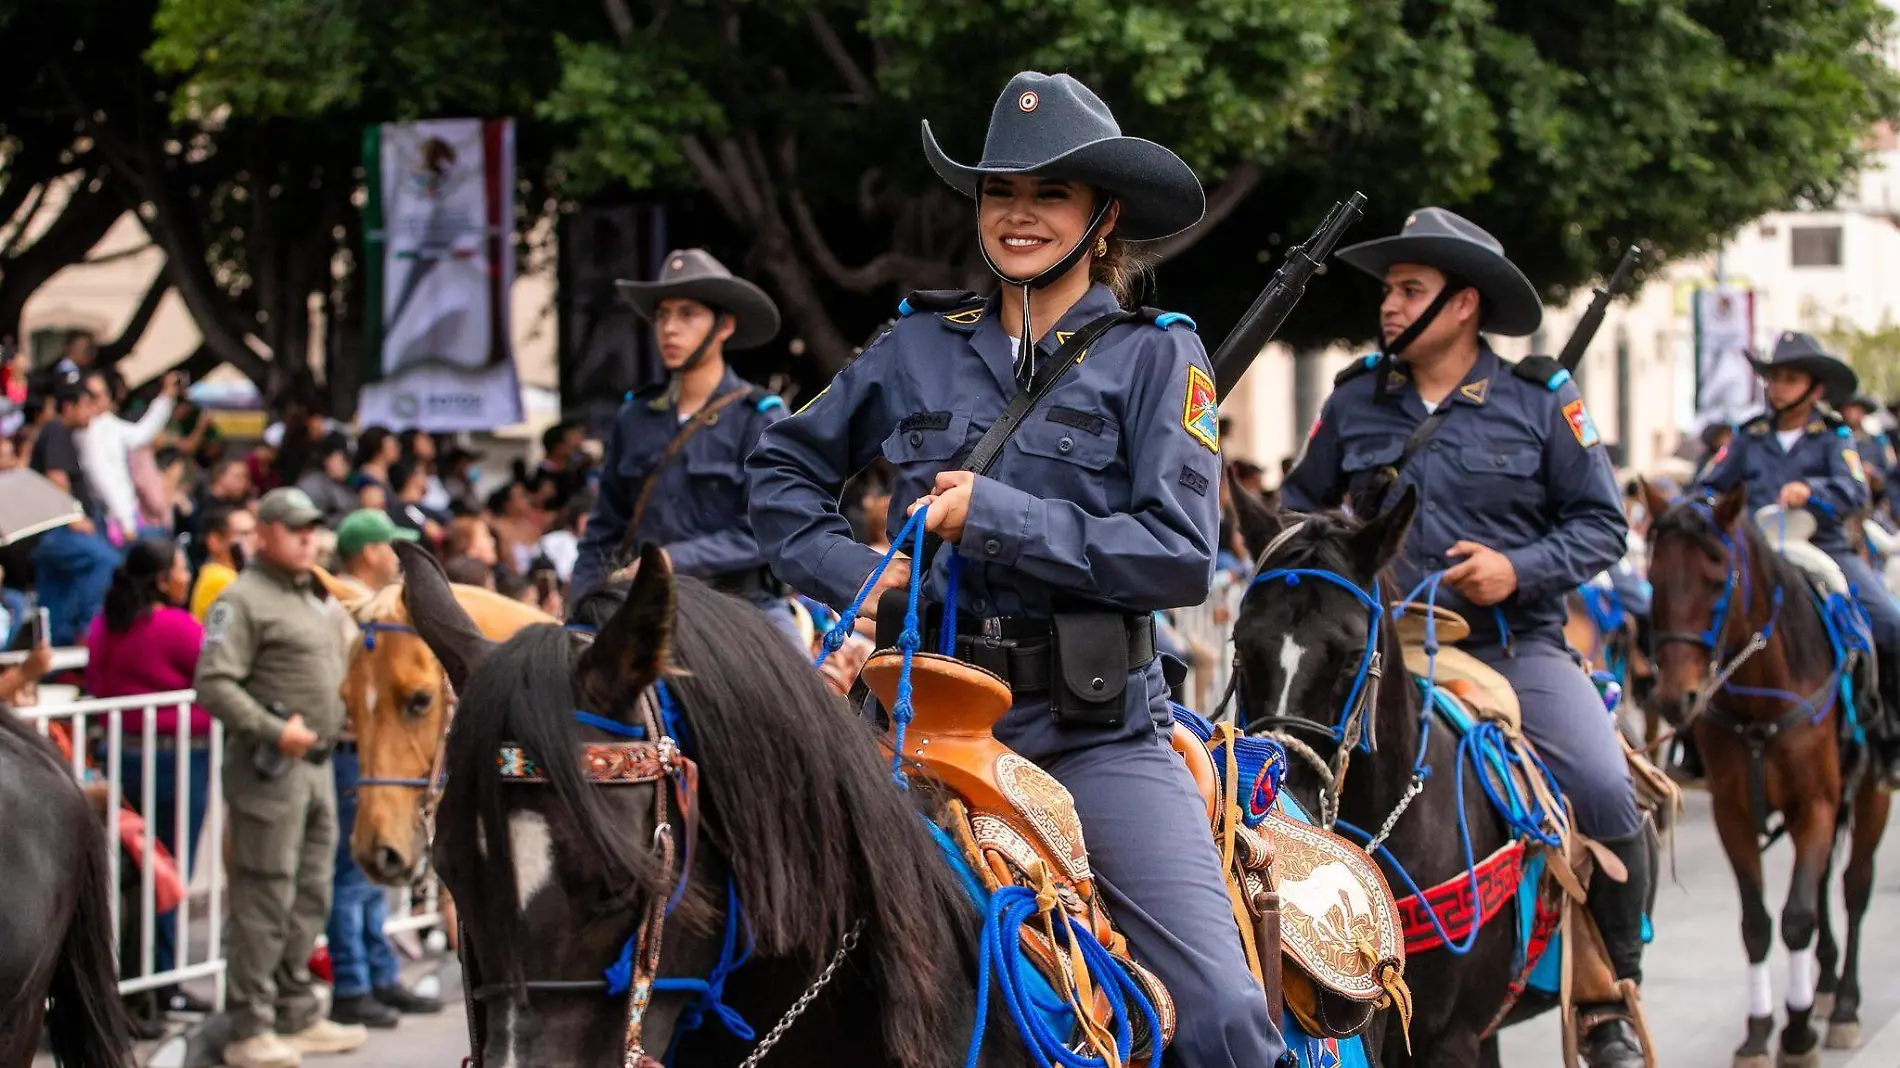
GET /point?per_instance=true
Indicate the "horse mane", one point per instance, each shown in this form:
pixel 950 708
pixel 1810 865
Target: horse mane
pixel 1804 635
pixel 20 737
pixel 794 792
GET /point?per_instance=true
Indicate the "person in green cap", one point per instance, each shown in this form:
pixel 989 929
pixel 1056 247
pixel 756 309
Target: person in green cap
pixel 363 547
pixel 369 988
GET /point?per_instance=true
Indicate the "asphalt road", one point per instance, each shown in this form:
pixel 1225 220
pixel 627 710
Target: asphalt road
pixel 1695 984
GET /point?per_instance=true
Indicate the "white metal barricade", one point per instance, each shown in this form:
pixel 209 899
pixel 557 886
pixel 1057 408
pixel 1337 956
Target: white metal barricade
pixel 1208 629
pixel 97 729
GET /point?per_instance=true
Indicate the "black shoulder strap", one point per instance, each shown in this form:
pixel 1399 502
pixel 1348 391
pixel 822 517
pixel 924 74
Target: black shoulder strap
pixel 990 446
pixel 1388 476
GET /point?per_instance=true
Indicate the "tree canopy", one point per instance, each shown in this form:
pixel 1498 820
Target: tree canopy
pixel 793 125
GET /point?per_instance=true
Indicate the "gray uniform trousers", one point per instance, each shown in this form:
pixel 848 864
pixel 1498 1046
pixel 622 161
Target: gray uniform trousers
pixel 1564 718
pixel 283 852
pixel 1154 859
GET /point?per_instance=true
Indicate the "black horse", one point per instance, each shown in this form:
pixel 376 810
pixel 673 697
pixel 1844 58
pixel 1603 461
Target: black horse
pixel 795 807
pixel 1299 649
pixel 56 966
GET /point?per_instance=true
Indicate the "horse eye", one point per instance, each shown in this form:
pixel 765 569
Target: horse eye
pixel 418 703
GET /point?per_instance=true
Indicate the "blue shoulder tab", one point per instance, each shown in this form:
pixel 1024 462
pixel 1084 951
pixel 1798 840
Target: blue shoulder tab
pixel 769 402
pixel 1168 319
pixel 1356 368
pixel 1543 370
pixel 1842 432
pixel 936 300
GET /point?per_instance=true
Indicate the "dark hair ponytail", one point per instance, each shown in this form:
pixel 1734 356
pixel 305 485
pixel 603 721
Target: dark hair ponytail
pixel 134 590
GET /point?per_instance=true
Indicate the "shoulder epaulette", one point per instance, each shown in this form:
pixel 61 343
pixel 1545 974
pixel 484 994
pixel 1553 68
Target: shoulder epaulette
pixel 936 300
pixel 1167 320
pixel 1357 367
pixel 1543 370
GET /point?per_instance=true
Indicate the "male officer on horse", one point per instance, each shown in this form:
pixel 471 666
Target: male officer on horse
pixel 675 465
pixel 1520 507
pixel 1800 455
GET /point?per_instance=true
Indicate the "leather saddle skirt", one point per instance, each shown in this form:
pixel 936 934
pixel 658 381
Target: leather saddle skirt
pixel 1015 822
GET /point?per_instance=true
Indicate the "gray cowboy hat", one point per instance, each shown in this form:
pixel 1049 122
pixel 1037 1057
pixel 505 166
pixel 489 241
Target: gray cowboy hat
pixel 1053 126
pixel 695 275
pixel 1434 237
pixel 1800 352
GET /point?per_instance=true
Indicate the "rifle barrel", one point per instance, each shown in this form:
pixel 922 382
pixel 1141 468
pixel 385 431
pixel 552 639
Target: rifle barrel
pixel 1270 309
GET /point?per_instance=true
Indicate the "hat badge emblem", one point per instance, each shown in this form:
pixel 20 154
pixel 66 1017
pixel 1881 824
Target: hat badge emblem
pixel 1412 219
pixel 678 262
pixel 1028 101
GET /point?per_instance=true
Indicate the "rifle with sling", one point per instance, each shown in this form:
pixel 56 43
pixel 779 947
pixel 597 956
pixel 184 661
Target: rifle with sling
pixel 1271 307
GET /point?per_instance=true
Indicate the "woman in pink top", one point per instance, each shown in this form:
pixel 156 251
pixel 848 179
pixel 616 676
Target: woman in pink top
pixel 144 642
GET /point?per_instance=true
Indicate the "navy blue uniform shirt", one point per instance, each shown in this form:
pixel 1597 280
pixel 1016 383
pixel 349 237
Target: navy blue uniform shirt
pixel 1107 495
pixel 1516 466
pixel 698 510
pixel 1823 456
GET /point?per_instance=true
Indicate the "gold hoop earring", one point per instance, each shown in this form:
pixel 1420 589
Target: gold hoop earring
pixel 1101 247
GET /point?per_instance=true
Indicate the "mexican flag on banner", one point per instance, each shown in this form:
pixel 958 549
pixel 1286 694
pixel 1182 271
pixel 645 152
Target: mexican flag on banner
pixel 439 231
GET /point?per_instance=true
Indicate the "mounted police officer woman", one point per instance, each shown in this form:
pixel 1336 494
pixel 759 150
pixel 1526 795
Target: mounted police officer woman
pixel 1099 510
pixel 1800 456
pixel 675 465
pixel 1519 507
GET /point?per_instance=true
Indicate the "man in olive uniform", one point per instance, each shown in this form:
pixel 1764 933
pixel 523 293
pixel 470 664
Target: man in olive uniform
pixel 270 671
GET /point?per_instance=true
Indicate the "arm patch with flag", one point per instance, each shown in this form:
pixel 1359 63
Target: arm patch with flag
pixel 1581 425
pixel 1853 464
pixel 1201 413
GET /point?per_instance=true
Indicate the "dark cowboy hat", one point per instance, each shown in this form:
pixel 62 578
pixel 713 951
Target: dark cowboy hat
pixel 695 275
pixel 1053 126
pixel 1800 352
pixel 1434 237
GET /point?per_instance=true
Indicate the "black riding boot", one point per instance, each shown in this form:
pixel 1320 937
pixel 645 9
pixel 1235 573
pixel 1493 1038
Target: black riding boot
pixel 1883 727
pixel 1618 908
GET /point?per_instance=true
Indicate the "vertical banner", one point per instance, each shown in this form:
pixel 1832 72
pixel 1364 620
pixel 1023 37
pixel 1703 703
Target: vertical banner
pixel 606 350
pixel 1726 390
pixel 439 226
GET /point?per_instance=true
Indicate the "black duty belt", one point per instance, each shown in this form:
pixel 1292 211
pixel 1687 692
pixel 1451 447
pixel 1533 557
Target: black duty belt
pixel 1020 650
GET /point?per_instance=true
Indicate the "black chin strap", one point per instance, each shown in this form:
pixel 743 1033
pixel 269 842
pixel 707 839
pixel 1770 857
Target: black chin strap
pixel 1389 352
pixel 1026 349
pixel 1791 405
pixel 671 397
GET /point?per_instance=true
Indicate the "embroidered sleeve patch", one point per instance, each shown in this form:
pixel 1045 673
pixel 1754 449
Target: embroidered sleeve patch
pixel 1313 431
pixel 1201 413
pixel 1853 465
pixel 1194 480
pixel 1581 424
pixel 218 623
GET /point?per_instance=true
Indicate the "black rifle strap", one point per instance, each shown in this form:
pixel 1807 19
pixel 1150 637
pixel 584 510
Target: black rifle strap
pixel 1389 475
pixel 984 454
pixel 989 447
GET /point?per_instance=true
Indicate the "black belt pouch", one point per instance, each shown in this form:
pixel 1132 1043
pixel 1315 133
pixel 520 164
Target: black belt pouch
pixel 1090 669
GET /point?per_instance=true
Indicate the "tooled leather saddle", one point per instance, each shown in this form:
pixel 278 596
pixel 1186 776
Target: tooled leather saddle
pixel 1018 826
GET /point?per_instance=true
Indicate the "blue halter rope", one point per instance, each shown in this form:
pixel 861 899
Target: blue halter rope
pixel 1359 695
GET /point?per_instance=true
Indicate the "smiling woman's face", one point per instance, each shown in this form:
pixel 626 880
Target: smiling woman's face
pixel 1028 224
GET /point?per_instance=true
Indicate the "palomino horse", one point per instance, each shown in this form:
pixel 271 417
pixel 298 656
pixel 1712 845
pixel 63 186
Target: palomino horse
pixel 56 936
pixel 398 710
pixel 1745 661
pixel 593 861
pixel 1309 663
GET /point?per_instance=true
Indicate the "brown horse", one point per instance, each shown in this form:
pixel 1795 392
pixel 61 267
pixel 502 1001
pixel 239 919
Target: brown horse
pixel 398 700
pixel 1744 661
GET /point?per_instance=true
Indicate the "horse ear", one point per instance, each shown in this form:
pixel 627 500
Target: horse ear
pixel 437 616
pixel 1259 524
pixel 352 596
pixel 630 650
pixel 1729 507
pixel 1653 501
pixel 1382 536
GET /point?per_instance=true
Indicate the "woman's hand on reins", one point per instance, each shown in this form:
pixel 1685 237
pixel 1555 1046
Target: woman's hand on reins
pixel 949 504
